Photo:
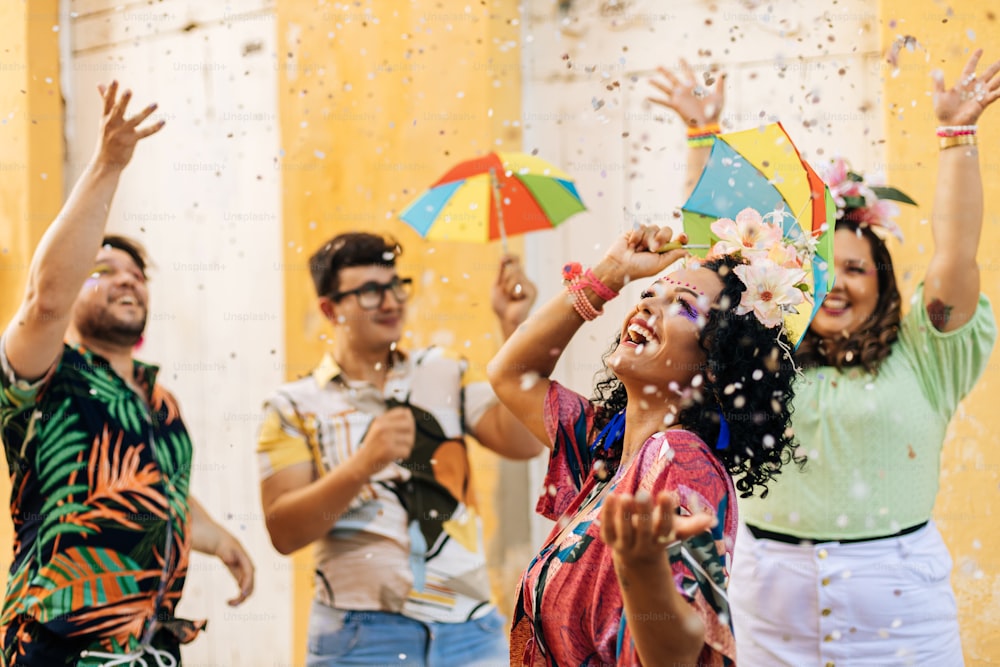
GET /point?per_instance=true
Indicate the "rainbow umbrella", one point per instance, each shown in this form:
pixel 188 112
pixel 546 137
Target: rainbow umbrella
pixel 762 169
pixel 493 197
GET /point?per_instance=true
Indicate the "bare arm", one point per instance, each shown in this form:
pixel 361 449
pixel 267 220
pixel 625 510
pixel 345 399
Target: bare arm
pixel 952 283
pixel 300 507
pixel 665 629
pixel 498 429
pixel 698 106
pixel 210 538
pixel 520 370
pixel 65 255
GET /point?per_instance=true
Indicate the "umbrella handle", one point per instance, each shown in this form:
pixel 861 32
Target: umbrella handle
pixel 673 245
pixel 495 184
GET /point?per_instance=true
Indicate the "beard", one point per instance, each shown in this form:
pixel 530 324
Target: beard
pixel 104 326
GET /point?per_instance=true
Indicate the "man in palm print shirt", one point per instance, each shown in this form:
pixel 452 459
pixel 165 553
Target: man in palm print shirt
pixel 99 456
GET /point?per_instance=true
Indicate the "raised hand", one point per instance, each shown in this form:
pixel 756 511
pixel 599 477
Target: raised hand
pixel 963 103
pixel 698 104
pixel 636 254
pixel 513 294
pixel 119 135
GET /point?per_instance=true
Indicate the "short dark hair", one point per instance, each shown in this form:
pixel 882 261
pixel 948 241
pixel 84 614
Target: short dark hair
pixel 134 249
pixel 346 250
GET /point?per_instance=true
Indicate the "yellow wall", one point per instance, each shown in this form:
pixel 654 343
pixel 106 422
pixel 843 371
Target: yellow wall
pixel 376 101
pixel 30 163
pixel 31 136
pixel 968 504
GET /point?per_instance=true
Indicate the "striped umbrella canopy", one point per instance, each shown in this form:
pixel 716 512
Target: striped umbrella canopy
pixel 493 197
pixel 761 169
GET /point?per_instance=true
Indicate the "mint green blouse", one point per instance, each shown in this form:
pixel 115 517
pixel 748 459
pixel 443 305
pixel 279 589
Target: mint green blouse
pixel 874 442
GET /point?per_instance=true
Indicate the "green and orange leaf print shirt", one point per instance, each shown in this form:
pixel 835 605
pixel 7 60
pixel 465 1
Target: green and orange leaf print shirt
pixel 99 487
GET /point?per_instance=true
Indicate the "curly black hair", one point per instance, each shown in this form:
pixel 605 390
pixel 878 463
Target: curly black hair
pixel 749 379
pixel 871 344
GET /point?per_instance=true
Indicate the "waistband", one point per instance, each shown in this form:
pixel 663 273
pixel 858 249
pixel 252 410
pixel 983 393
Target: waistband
pixel 481 610
pixel 762 534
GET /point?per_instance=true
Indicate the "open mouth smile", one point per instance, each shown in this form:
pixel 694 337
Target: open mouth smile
pixel 639 333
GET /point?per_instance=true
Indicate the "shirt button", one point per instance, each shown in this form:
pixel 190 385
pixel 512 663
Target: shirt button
pixel 826 612
pixel 829 664
pixel 828 638
pixel 822 553
pixel 825 581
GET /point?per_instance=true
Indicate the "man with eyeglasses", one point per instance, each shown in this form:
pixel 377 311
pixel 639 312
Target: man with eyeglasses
pixel 366 459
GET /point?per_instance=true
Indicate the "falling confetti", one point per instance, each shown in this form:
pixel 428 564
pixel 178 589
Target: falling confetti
pixel 908 42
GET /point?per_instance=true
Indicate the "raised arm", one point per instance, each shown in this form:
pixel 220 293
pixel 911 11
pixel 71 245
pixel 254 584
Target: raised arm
pixel 498 429
pixel 520 371
pixel 699 106
pixel 65 255
pixel 951 286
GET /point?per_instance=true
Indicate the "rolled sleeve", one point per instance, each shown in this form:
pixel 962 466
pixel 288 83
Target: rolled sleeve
pixel 15 392
pixel 283 440
pixel 568 419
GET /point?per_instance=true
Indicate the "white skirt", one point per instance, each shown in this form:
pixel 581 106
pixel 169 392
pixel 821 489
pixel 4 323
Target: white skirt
pixel 866 604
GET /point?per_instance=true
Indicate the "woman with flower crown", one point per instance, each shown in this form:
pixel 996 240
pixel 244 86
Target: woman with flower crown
pixel 623 579
pixel 841 563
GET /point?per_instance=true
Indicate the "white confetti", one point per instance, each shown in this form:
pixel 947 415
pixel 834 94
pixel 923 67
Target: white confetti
pixel 529 380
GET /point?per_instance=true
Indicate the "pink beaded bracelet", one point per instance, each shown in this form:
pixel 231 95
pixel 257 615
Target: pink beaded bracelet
pixel 576 280
pixel 583 307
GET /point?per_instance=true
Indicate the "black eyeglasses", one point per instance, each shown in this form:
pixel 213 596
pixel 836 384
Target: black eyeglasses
pixel 371 295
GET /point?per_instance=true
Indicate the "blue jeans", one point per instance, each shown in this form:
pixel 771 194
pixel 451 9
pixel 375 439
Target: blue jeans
pixel 370 638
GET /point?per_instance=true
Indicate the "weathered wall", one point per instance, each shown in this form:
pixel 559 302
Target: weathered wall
pixel 204 196
pixel 377 100
pixel 31 165
pixel 969 500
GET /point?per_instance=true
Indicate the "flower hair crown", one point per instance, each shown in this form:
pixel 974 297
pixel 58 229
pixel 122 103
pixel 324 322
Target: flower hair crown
pixel 861 199
pixel 774 272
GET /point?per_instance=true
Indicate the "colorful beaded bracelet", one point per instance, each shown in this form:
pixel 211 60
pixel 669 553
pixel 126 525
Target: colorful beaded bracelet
pixel 955 130
pixel 704 135
pixel 576 279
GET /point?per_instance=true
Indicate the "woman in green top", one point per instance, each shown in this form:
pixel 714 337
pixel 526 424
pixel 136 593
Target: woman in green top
pixel 841 563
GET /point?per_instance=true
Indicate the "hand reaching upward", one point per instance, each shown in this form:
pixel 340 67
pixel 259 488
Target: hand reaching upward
pixel 119 135
pixel 697 104
pixel 964 102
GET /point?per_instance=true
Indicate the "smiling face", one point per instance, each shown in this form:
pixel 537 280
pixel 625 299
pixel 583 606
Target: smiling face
pixel 850 305
pixel 660 339
pixel 112 304
pixel 364 330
